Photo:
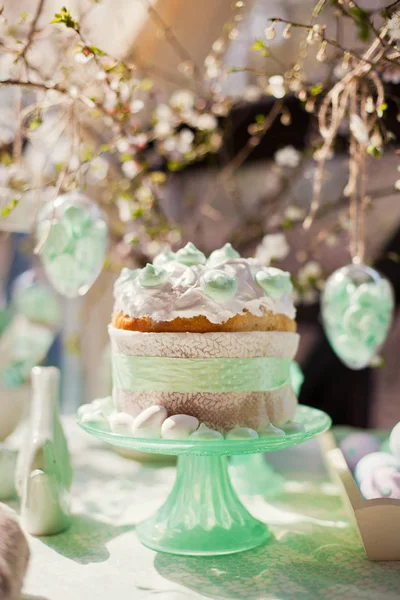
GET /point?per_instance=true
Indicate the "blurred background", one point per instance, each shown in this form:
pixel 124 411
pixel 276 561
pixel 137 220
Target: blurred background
pixel 243 180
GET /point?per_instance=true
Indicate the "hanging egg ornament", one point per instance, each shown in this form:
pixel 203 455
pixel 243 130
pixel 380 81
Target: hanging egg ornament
pixel 357 311
pixel 72 235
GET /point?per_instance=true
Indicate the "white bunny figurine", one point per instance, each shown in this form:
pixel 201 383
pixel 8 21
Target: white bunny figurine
pixel 44 472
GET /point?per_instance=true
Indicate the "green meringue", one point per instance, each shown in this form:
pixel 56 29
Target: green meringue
pixel 163 257
pixel 274 282
pixel 222 255
pixel 189 255
pixel 151 276
pixel 218 285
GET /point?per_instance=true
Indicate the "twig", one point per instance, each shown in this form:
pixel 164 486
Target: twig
pixel 247 149
pixel 172 39
pixel 32 29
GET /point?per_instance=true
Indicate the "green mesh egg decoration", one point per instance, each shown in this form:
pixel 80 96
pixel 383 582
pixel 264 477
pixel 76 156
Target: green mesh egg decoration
pixel 357 311
pixel 72 234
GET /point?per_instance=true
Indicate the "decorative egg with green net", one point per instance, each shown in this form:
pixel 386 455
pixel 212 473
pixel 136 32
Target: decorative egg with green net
pixel 357 311
pixel 72 236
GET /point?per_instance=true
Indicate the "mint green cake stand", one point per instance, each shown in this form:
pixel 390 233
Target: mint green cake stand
pixel 203 515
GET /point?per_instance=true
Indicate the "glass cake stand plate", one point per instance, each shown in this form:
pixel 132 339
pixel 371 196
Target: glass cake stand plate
pixel 203 515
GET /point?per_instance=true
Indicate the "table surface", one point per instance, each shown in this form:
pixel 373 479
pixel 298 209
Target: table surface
pixel 316 552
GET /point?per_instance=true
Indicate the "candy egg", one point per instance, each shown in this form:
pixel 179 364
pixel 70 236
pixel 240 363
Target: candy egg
pixel 96 419
pixel 394 441
pixel 382 482
pixel 241 433
pixel 270 430
pixel 218 285
pixel 204 433
pixel 151 276
pixel 367 464
pixel 148 423
pixel 357 445
pixel 274 282
pixel 121 423
pixel 77 218
pixel 292 427
pixel 189 255
pixel 222 255
pixel 179 427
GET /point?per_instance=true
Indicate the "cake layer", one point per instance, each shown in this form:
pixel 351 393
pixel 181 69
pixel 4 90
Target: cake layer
pixel 222 410
pixel 201 324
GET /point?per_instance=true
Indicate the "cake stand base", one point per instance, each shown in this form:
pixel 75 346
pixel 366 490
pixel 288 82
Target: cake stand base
pixel 202 515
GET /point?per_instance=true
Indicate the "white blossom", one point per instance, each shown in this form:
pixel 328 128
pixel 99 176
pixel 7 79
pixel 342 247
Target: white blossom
pixel 136 106
pixel 110 100
pixel 82 58
pixel 397 184
pixel 294 213
pixel 182 99
pixel 124 209
pixel 144 195
pixel 288 157
pixel 252 93
pixel 139 140
pixel 98 169
pixel 273 246
pixel 310 271
pixel 358 129
pixel 122 144
pixel 206 122
pixel 394 26
pixel 309 296
pixel 130 169
pixel 163 113
pixel 184 140
pixel 162 129
pixel 276 86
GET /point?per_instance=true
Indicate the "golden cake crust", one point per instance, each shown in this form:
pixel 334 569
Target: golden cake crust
pixel 200 324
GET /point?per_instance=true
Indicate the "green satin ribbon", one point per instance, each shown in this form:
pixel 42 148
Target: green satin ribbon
pixel 164 374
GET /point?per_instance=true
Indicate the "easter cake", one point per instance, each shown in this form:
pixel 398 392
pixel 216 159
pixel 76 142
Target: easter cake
pixel 203 347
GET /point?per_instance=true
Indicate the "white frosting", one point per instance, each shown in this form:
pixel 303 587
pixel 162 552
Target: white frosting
pixel 179 427
pixel 182 294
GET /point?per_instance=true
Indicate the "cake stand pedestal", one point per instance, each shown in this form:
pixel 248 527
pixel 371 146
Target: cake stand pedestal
pixel 203 515
pixel 251 475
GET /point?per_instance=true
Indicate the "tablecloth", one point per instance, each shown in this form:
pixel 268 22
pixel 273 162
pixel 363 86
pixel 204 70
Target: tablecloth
pixel 316 552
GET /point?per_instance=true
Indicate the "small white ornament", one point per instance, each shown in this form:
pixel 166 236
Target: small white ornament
pixel 95 418
pixel 292 427
pixel 179 427
pixel 394 441
pixel 270 431
pixel 148 423
pixel 121 423
pixel 241 433
pixel 204 434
